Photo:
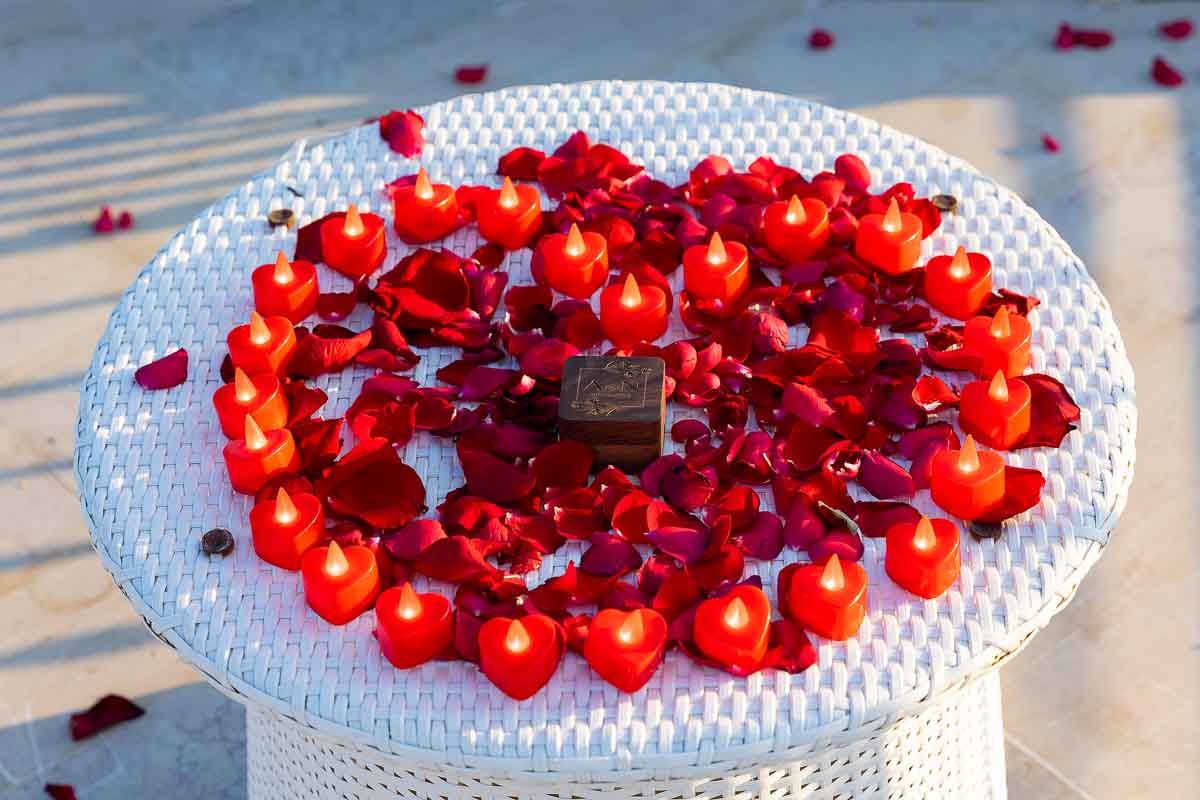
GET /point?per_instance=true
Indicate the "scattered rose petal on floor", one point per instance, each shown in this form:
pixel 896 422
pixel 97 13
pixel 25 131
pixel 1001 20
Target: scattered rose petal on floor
pixel 1022 491
pixel 1093 38
pixel 820 39
pixel 1049 143
pixel 1164 74
pixel 471 74
pixel 165 373
pixel 404 131
pixel 125 220
pixel 1064 39
pixel 110 710
pixel 372 484
pixel 104 222
pixel 60 791
pixel 1176 29
pixel 336 306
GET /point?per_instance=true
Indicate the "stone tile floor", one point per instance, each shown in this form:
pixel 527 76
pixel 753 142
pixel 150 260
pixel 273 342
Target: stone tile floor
pixel 163 108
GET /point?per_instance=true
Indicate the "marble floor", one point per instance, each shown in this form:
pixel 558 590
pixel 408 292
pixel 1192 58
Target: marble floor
pixel 161 108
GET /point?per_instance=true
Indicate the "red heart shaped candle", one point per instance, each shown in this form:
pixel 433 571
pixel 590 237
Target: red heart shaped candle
pixel 717 272
pixel 967 482
pixel 828 599
pixel 890 241
pixel 258 457
pixel 735 629
pixel 261 397
pixel 339 584
pixel 520 655
pixel 630 314
pixel 1000 343
pixel 958 285
pixel 412 628
pixel 996 413
pixel 265 345
pixel 626 647
pixel 923 557
pixel 354 244
pixel 424 211
pixel 796 229
pixel 285 289
pixel 285 528
pixel 575 264
pixel 510 216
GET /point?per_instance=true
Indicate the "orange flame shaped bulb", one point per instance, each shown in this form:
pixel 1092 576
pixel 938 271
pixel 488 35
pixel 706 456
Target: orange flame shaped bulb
pixel 924 537
pixel 243 387
pixel 968 457
pixel 410 602
pixel 517 638
pixel 508 198
pixel 255 438
pixel 631 630
pixel 285 509
pixel 423 188
pixel 283 270
pixel 631 295
pixel 716 250
pixel 1001 327
pixel 891 220
pixel 259 332
pixel 832 577
pixel 353 226
pixel 998 389
pixel 960 265
pixel 796 215
pixel 335 560
pixel 575 245
pixel 737 616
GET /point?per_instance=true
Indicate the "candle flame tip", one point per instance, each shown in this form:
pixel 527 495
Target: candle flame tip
pixel 283 269
pixel 968 456
pixel 285 509
pixel 631 295
pixel 891 219
pixel 924 536
pixel 254 436
pixel 1000 327
pixel 353 226
pixel 960 265
pixel 423 188
pixel 832 577
pixel 575 244
pixel 736 614
pixel 260 332
pixel 796 215
pixel 632 630
pixel 410 602
pixel 998 389
pixel 517 638
pixel 335 560
pixel 243 387
pixel 716 249
pixel 508 194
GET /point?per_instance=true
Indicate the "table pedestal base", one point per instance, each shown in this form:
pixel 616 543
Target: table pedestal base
pixel 954 749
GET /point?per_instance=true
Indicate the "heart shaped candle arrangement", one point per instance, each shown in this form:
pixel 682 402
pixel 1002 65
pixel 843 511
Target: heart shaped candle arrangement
pixel 815 427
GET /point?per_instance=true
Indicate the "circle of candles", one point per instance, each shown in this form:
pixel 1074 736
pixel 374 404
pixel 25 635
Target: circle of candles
pixel 260 397
pixel 735 629
pixel 829 599
pixel 967 482
pixel 1001 342
pixel 424 211
pixel 285 289
pixel 339 583
pixel 630 313
pixel 996 412
pixel 923 557
pixel 257 456
pixel 575 263
pixel 354 244
pixel 890 241
pixel 511 215
pixel 796 229
pixel 718 272
pixel 285 528
pixel 958 285
pixel 519 655
pixel 264 345
pixel 412 628
pixel 626 647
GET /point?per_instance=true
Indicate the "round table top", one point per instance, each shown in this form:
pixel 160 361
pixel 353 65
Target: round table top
pixel 152 481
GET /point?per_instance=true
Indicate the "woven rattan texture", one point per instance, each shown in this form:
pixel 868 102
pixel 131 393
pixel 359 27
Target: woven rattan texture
pixel 954 748
pixel 151 478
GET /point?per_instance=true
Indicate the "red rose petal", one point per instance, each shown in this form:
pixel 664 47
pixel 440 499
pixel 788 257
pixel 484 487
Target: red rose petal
pixel 60 791
pixel 790 649
pixel 493 478
pixel 164 373
pixel 318 441
pixel 1049 143
pixel 687 489
pixel 932 394
pixel 876 517
pixel 521 164
pixel 1022 491
pixel 472 74
pixel 404 131
pixel 456 559
pixel 433 413
pixel 484 382
pixel 843 544
pixel 372 484
pixel 308 239
pixel 853 170
pixel 303 401
pixel 912 442
pixel 318 354
pixel 610 555
pixel 1164 74
pixel 764 538
pixel 806 404
pixel 110 710
pixel 1064 39
pixel 563 464
pixel 820 39
pixel 104 222
pixel 409 542
pixel 547 359
pixel 125 220
pixel 883 477
pixel 1176 29
pixel 1053 412
pixel 685 544
pixel 336 306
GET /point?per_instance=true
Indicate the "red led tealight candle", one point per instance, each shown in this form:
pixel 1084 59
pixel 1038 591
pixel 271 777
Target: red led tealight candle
pixel 958 285
pixel 717 272
pixel 630 313
pixel 575 263
pixel 626 647
pixel 285 289
pixel 796 229
pixel 829 599
pixel 519 655
pixel 735 629
pixel 424 211
pixel 261 397
pixel 286 528
pixel 1001 342
pixel 996 413
pixel 339 584
pixel 510 216
pixel 257 457
pixel 966 482
pixel 354 245
pixel 890 241
pixel 412 628
pixel 264 345
pixel 923 558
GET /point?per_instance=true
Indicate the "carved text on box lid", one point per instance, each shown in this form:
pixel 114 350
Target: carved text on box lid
pixel 620 386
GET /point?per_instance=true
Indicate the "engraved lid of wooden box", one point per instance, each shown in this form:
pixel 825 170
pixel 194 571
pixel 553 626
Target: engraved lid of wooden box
pixel 615 404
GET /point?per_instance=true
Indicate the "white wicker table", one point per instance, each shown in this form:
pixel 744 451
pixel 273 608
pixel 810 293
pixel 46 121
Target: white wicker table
pixel 907 708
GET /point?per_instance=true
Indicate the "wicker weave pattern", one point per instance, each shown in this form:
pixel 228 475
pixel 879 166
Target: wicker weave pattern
pixel 149 467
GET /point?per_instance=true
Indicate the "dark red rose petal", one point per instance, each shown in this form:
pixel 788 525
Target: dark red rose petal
pixel 806 404
pixel 876 517
pixel 456 559
pixel 60 791
pixel 104 222
pixel 316 354
pixel 610 555
pixel 308 239
pixel 820 39
pixel 303 401
pixel 466 636
pixel 1164 74
pixel 125 220
pixel 764 538
pixel 484 382
pixel 790 649
pixel 1049 143
pixel 110 710
pixel 932 394
pixel 546 360
pixel 409 542
pixel 654 473
pixel 1022 491
pixel 842 543
pixel 688 489
pixel 853 170
pixel 373 485
pixel 1176 29
pixel 404 131
pixel 912 442
pixel 318 441
pixel 521 164
pixel 803 525
pixel 1053 412
pixel 336 306
pixel 563 464
pixel 685 544
pixel 472 74
pixel 433 413
pixel 165 373
pixel 1064 38
pixel 883 477
pixel 493 478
